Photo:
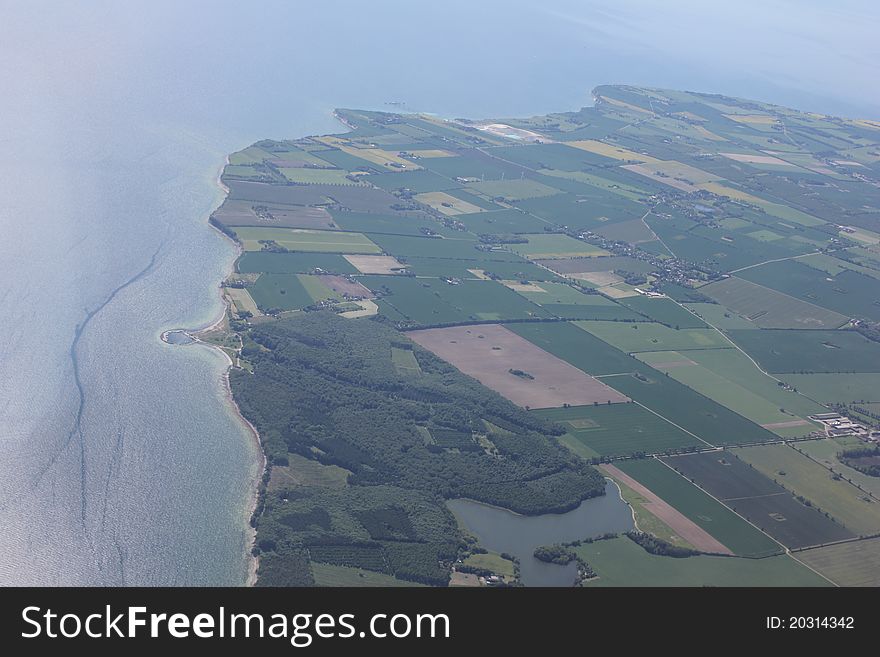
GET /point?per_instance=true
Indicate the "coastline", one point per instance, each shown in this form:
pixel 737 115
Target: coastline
pixel 195 334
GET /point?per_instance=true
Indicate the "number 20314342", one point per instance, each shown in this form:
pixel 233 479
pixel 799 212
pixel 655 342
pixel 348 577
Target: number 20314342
pixel 810 623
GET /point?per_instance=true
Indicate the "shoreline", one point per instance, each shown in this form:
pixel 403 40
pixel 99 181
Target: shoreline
pixel 229 397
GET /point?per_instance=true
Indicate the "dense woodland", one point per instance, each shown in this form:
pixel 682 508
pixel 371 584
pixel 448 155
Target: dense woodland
pixel 325 388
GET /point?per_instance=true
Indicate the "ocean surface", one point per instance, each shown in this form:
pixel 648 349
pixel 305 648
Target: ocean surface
pixel 121 461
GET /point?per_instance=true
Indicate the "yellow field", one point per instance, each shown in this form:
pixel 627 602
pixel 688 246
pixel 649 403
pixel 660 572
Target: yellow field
pixel 708 134
pixel 435 152
pixel 753 119
pixel 452 205
pixel 616 152
pixel 242 300
pixel 620 103
pixel 375 155
pixel 722 190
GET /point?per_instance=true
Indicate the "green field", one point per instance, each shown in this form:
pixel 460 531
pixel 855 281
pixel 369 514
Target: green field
pixel 432 301
pixel 845 503
pixel 665 311
pixel 722 523
pixel 748 399
pixel 719 316
pixel 512 190
pixel 807 352
pixel 492 561
pixel 620 429
pixel 771 309
pixel 463 248
pixel 836 388
pixel 289 291
pixel 849 564
pixel 552 245
pixel 621 562
pixel 317 176
pixel 299 239
pixel 293 263
pixel 404 361
pixel 326 574
pixel 642 336
pixel 825 452
pixel 566 301
pixel 849 293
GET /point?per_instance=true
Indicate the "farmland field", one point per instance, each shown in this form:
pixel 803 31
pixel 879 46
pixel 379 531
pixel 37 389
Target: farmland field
pixel 664 311
pixel 743 399
pixel 639 337
pixel 756 497
pixel 849 564
pixel 810 351
pixel 771 309
pixel 326 574
pixel 621 562
pixel 836 388
pixel 429 302
pixel 493 355
pixel 292 263
pixel 555 246
pixel 734 532
pixel 300 239
pixel 841 500
pixel 620 429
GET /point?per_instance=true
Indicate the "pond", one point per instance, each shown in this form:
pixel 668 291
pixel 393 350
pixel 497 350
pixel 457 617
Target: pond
pixel 501 530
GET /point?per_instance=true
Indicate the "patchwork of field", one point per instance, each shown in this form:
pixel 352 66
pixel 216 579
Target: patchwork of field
pixel 620 430
pixel 685 528
pixel 842 501
pixel 743 399
pixel 771 309
pixel 760 500
pixel 621 562
pixel 515 368
pixel 856 563
pixel 558 227
pixel 301 239
pixel 715 518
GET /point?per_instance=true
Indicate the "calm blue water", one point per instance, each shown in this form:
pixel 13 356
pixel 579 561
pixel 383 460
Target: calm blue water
pixel 120 462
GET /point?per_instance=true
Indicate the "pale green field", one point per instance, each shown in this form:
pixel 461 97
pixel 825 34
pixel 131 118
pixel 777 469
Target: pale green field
pixel 316 289
pixel 512 190
pixel 719 316
pixel 825 452
pixel 827 388
pixel 650 336
pixel 307 472
pixel 243 300
pixel 318 176
pixel 620 562
pixel 840 499
pixel 849 564
pixel 714 385
pixel 300 239
pixel 404 361
pixel 562 293
pixel 491 561
pixel 329 575
pixel 735 366
pixel 555 246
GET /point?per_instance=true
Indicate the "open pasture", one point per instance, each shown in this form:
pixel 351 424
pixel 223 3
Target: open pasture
pixel 293 263
pixel 492 355
pixel 621 562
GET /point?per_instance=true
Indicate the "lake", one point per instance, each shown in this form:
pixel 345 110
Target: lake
pixel 501 530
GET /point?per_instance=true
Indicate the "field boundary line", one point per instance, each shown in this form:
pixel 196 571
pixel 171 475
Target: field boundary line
pixel 675 425
pixel 767 262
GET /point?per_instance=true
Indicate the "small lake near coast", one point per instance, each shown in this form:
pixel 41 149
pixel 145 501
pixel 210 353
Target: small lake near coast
pixel 501 530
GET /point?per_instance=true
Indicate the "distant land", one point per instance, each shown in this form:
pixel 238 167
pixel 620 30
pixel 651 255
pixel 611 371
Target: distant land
pixel 679 292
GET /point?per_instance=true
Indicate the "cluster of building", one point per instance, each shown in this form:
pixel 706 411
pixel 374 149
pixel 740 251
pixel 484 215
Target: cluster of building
pixel 837 425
